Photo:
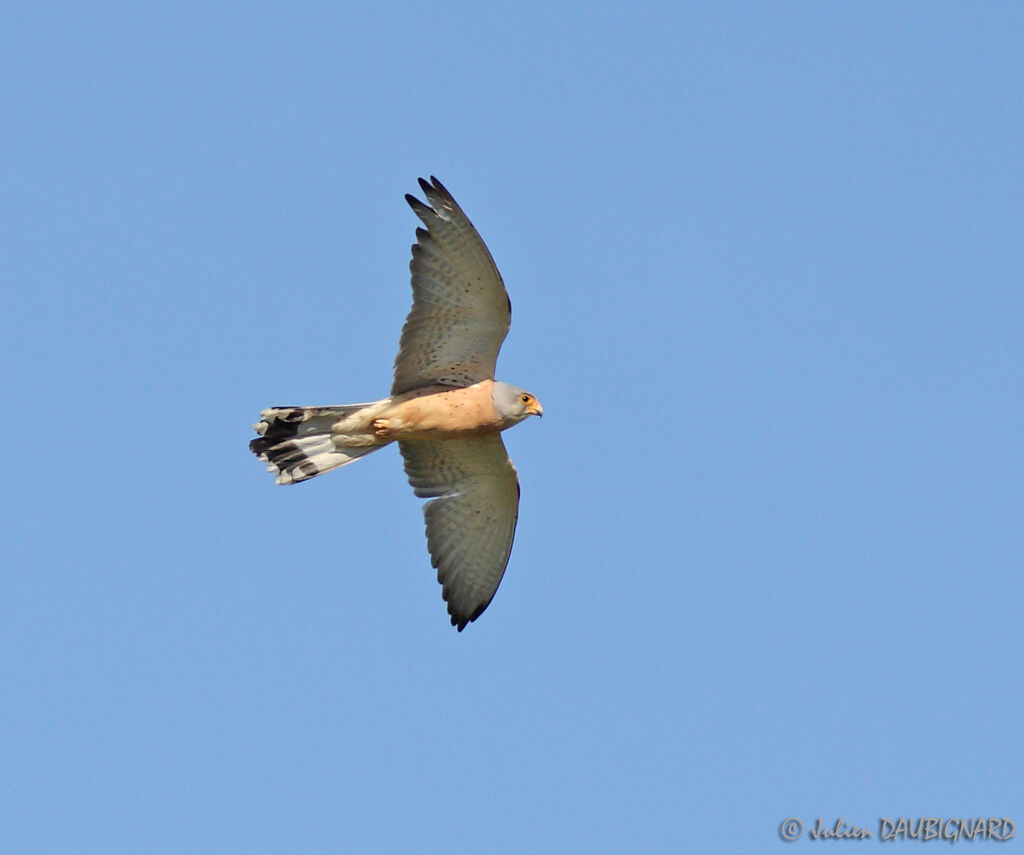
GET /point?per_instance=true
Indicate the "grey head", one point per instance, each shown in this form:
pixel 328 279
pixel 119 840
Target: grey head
pixel 513 404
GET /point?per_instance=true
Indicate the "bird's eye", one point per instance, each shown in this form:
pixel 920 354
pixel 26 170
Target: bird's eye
pixel 525 399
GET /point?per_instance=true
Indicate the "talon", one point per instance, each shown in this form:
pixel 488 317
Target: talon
pixel 380 427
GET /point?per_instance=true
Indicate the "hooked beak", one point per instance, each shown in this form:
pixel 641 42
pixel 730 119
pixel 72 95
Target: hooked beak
pixel 535 409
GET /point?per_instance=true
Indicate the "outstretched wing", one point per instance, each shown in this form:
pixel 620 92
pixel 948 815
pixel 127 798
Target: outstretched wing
pixel 460 310
pixel 471 521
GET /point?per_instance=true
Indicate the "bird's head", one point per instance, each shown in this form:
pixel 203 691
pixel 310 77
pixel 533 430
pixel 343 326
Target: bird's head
pixel 513 404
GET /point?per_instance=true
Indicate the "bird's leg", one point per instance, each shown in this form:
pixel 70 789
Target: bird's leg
pixel 381 427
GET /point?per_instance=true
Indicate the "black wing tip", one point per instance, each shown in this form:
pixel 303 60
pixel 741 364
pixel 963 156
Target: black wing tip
pixel 431 188
pixel 460 622
pixel 440 188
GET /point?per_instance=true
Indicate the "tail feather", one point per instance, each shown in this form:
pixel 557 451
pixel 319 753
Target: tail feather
pixel 299 443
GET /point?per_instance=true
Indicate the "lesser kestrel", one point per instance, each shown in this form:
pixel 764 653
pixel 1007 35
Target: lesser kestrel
pixel 446 410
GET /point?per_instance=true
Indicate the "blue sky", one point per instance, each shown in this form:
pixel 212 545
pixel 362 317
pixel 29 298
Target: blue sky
pixel 766 269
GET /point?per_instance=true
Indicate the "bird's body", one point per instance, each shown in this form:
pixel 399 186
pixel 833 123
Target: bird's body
pixel 439 412
pixel 445 410
pixel 431 413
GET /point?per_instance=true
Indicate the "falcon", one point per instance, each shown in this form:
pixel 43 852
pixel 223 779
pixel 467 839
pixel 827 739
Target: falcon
pixel 446 411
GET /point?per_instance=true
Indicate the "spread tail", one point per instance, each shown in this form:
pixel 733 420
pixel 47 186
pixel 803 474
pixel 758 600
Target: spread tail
pixel 298 443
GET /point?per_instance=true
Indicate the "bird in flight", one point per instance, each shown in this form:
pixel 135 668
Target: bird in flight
pixel 446 411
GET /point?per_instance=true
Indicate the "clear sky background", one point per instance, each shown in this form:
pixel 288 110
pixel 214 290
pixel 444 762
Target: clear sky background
pixel 768 281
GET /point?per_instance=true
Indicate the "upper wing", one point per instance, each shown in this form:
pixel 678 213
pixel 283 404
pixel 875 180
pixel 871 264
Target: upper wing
pixel 472 519
pixel 460 310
